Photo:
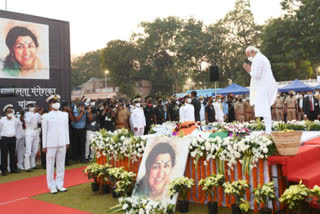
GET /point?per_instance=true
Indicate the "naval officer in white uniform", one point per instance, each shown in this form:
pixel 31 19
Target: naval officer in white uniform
pixel 55 140
pixel 137 118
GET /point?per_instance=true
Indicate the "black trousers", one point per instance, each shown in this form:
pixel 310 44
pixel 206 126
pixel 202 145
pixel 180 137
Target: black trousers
pixel 8 145
pixel 312 116
pixel 78 144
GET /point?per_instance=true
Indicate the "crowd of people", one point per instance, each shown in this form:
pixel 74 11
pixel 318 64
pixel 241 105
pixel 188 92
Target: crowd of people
pixel 21 131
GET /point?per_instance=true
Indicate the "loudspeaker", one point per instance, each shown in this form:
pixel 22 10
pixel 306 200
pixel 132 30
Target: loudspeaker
pixel 214 73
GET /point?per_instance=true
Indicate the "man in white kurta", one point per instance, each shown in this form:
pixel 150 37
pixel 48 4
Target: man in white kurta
pixel 263 87
pixel 186 112
pixel 55 141
pixel 32 138
pixel 202 109
pixel 137 118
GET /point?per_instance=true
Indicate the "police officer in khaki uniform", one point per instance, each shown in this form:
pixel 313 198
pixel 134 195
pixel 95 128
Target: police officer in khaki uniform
pixel 279 108
pixel 239 110
pixel 291 104
pixel 273 111
pixel 247 109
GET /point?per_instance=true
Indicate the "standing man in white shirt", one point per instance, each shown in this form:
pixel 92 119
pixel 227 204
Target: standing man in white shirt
pixel 137 118
pixel 20 145
pixel 55 140
pixel 8 128
pixel 32 118
pixel 263 86
pixel 186 112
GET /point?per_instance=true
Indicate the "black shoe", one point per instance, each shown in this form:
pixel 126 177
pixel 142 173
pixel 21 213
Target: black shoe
pixel 4 173
pixel 29 170
pixel 36 167
pixel 16 171
pixel 84 161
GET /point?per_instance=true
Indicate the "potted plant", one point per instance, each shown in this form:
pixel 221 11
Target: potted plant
pixel 93 171
pixel 208 186
pixel 113 175
pixel 238 189
pixel 294 196
pixel 124 185
pixel 263 194
pixel 181 186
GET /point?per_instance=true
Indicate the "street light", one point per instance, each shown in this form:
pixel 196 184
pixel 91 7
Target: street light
pixel 106 72
pixel 189 80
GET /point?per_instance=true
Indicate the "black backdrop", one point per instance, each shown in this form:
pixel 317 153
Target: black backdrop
pixel 20 92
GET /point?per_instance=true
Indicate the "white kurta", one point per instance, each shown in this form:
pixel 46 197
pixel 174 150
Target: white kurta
pixel 55 137
pixel 202 112
pixel 186 113
pixel 263 86
pixel 219 111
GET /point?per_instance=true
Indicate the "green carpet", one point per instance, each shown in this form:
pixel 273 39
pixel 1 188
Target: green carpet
pixel 36 172
pixel 82 198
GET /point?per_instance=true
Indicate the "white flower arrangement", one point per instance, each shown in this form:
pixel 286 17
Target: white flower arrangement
pixel 138 205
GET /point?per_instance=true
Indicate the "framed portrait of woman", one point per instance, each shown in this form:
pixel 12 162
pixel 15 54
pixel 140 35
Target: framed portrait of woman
pixel 164 159
pixel 24 50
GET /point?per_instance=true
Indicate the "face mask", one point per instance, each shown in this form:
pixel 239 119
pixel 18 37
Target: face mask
pixel 201 101
pixel 244 100
pixel 138 104
pixel 177 102
pixel 93 104
pixel 310 95
pixel 56 106
pixel 11 115
pixel 250 58
pixel 189 100
pixel 101 108
pixel 31 109
pixel 117 106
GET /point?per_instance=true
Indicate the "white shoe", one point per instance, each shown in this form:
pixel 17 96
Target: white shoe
pixel 21 168
pixel 53 191
pixel 62 189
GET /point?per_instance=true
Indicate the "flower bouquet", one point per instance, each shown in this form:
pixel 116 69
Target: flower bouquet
pixel 209 183
pixel 263 194
pixel 294 196
pixel 181 186
pixel 315 193
pixel 238 189
pixel 138 205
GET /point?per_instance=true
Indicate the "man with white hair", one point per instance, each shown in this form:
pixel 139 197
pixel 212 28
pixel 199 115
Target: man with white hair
pixel 263 87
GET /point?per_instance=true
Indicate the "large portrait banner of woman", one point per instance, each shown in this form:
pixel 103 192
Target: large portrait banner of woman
pixel 164 159
pixel 24 50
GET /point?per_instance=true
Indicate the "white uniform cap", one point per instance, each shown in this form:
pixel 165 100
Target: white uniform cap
pixel 54 96
pixel 7 106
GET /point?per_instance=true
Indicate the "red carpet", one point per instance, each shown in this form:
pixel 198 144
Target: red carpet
pixel 33 206
pixel 37 185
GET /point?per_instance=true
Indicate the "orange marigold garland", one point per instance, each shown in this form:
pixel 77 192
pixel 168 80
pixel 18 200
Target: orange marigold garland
pixel 203 176
pixel 261 175
pixel 233 199
pixel 214 172
pixel 255 185
pixel 227 196
pixel 198 171
pixel 248 190
pixel 208 173
pixel 194 193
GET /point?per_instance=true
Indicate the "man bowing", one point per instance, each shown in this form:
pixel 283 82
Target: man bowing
pixel 263 87
pixel 55 141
